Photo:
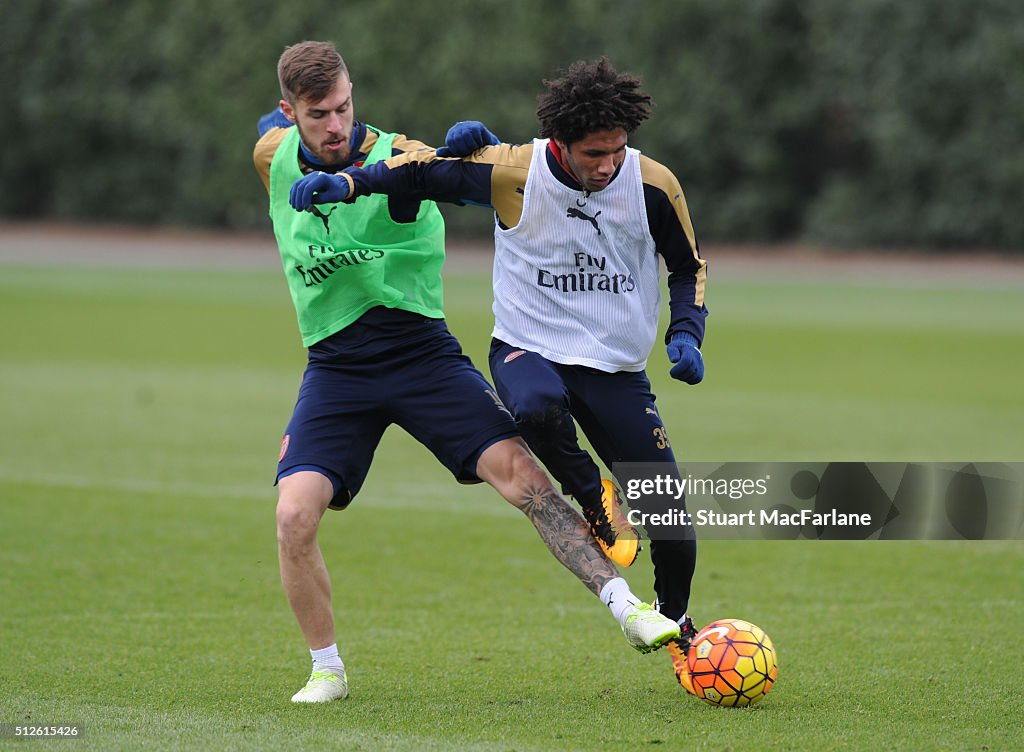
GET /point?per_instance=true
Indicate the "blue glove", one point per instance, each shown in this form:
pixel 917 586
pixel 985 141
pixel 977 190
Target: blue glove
pixel 465 137
pixel 689 363
pixel 275 119
pixel 318 188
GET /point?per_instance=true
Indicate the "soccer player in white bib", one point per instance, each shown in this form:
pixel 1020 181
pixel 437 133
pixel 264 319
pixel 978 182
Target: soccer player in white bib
pixel 581 220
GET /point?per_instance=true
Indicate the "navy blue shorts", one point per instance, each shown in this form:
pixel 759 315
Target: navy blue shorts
pixel 389 367
pixel 616 411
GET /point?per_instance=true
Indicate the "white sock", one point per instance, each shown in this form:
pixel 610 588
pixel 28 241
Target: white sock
pixel 327 659
pixel 617 596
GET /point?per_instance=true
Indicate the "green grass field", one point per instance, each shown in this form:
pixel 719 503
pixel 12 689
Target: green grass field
pixel 141 419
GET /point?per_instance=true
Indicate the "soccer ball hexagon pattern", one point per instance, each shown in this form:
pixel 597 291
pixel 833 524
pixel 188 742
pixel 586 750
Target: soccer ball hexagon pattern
pixel 732 663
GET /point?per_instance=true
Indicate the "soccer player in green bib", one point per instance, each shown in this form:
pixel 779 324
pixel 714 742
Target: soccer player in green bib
pixel 365 278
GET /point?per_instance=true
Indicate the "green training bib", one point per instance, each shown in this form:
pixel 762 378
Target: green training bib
pixel 341 260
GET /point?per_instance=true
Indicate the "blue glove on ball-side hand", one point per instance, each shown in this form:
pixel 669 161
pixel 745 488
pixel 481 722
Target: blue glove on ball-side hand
pixel 689 363
pixel 465 137
pixel 318 188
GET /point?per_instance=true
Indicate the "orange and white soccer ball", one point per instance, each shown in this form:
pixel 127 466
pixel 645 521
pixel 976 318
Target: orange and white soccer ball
pixel 732 663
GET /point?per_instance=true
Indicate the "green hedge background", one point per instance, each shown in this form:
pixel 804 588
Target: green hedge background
pixel 873 122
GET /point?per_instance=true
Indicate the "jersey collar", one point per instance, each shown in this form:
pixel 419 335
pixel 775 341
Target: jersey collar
pixel 559 168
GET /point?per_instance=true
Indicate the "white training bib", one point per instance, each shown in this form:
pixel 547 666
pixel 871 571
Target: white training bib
pixel 577 279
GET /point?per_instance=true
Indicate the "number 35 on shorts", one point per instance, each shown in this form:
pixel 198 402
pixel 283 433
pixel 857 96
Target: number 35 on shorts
pixel 661 438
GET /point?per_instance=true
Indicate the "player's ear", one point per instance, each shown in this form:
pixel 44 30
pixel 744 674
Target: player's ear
pixel 287 109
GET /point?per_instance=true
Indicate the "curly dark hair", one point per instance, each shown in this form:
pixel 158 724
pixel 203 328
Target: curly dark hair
pixel 591 97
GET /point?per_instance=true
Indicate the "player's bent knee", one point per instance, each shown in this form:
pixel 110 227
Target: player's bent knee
pixel 296 522
pixel 302 500
pixel 541 412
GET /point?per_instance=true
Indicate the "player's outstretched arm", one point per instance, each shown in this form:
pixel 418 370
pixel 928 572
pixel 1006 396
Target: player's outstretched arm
pixel 410 174
pixel 424 175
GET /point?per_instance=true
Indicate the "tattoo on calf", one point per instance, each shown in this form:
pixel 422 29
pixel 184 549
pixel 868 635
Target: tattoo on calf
pixel 566 534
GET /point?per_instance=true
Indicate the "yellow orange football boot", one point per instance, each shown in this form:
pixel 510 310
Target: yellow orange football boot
pixel 677 650
pixel 619 540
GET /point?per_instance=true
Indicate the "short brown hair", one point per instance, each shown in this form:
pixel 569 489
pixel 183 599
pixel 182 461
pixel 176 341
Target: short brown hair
pixel 309 70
